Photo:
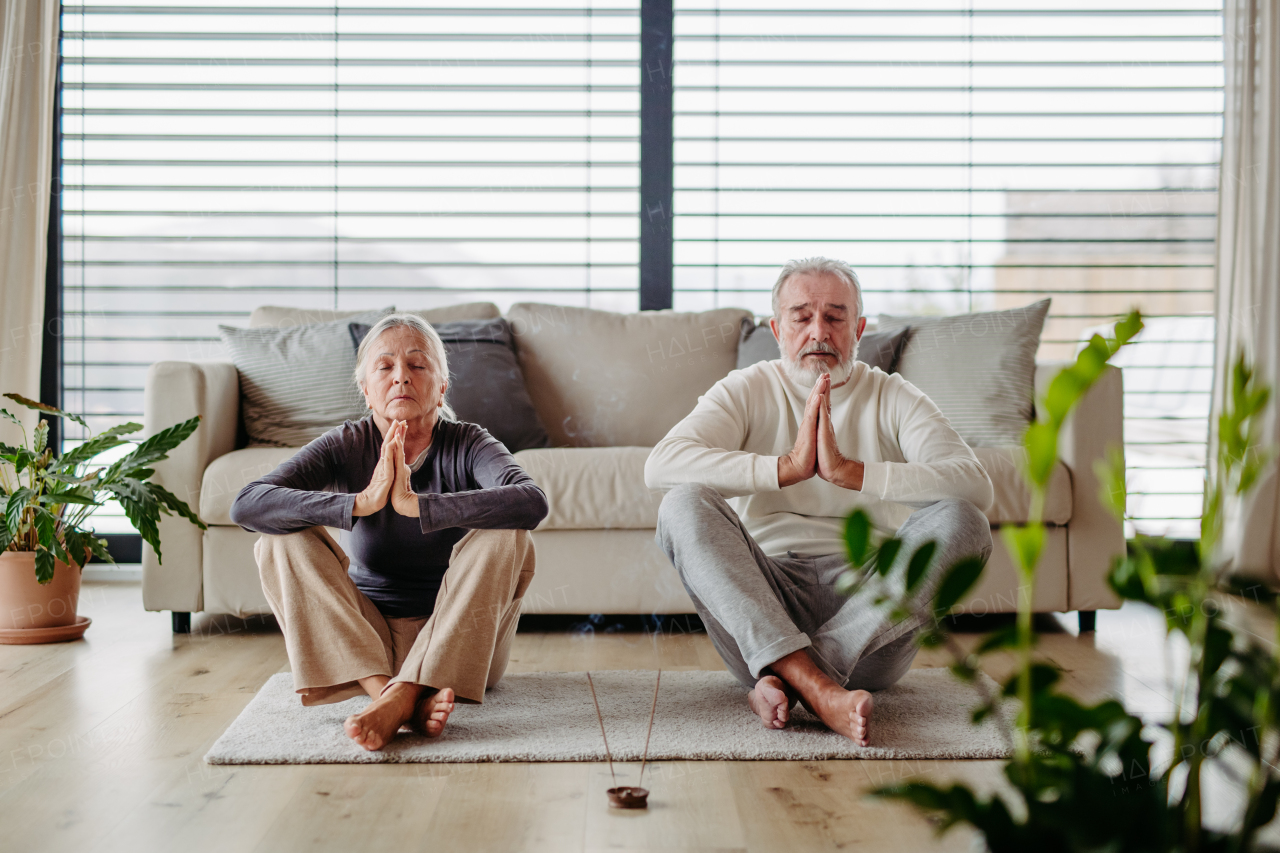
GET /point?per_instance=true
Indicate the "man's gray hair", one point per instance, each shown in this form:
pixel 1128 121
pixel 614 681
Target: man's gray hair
pixel 839 269
pixel 432 346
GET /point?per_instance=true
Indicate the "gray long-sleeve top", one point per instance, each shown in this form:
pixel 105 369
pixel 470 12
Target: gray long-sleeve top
pixel 469 480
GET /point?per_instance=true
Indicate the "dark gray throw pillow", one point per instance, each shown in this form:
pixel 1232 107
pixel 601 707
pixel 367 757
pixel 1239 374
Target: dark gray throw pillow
pixel 486 386
pixel 877 349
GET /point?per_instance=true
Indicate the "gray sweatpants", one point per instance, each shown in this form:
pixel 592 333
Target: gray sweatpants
pixel 758 609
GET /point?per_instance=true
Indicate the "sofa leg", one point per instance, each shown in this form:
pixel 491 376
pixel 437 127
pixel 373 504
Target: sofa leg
pixel 181 622
pixel 1088 621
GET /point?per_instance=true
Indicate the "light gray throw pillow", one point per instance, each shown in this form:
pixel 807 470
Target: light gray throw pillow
pixel 296 383
pixel 979 369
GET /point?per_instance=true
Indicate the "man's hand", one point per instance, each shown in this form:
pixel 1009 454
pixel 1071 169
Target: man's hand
pixel 802 462
pixel 375 495
pixel 832 465
pixel 403 498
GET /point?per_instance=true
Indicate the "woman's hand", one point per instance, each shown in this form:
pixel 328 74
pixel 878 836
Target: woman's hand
pixel 403 498
pixel 375 495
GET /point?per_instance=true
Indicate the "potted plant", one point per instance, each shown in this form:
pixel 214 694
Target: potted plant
pixel 47 502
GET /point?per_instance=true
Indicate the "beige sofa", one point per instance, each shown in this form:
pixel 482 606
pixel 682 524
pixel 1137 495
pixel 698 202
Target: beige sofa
pixel 608 387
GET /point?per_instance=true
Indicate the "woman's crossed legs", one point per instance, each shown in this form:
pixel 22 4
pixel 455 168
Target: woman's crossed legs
pixel 339 645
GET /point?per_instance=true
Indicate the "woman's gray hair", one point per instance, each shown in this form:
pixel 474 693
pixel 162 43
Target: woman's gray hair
pixel 839 269
pixel 432 346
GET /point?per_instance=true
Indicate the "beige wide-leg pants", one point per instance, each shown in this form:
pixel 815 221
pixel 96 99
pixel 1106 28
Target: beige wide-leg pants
pixel 335 636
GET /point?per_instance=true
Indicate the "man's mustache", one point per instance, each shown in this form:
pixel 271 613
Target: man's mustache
pixel 827 349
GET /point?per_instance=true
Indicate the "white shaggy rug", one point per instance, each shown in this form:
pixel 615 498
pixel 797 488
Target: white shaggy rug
pixel 548 716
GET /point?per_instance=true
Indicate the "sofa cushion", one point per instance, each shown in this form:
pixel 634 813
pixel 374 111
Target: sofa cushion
pixel 486 386
pixel 602 379
pixel 878 349
pixel 590 488
pixel 231 472
pixel 978 368
pixel 1012 504
pixel 279 316
pixel 296 381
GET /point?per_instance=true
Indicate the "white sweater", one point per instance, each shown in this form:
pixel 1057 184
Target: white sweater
pixel 734 436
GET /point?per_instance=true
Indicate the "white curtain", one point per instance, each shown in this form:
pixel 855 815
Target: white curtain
pixel 1248 263
pixel 28 65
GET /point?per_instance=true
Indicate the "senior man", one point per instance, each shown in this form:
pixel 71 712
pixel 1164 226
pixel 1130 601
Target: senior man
pixel 763 473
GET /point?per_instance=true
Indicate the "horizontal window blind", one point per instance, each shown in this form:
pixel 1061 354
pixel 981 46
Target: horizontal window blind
pixel 972 156
pixel 351 155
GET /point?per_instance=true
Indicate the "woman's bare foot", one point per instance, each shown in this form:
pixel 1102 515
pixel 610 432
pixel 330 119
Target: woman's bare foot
pixel 375 726
pixel 770 702
pixel 432 712
pixel 846 712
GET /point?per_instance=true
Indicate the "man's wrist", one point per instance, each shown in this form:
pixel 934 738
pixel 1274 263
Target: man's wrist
pixel 850 474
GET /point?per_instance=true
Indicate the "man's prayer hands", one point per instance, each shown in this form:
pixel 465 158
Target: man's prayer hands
pixel 390 479
pixel 816 450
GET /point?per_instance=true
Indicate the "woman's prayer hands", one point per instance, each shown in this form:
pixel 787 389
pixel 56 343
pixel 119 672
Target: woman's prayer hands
pixel 816 451
pixel 390 479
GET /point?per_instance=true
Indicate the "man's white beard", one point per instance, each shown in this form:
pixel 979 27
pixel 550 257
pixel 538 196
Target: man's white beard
pixel 806 376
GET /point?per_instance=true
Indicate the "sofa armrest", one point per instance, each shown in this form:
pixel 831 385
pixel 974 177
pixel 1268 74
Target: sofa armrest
pixel 175 391
pixel 1094 535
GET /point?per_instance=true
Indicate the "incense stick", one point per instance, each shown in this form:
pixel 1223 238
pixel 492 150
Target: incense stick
pixel 600 717
pixel 648 734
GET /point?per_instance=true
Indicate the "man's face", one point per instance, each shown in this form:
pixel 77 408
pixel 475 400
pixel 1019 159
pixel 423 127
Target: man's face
pixel 817 327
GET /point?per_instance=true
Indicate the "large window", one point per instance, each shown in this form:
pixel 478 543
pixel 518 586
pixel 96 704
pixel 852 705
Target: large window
pixel 961 155
pixel 971 156
pixel 356 155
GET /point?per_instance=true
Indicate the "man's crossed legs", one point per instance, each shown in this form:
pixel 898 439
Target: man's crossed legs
pixel 779 624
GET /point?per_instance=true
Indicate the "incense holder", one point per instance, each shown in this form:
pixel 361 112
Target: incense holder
pixel 626 797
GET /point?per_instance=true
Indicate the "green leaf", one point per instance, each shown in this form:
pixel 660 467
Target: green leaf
pixel 1025 542
pixel 15 507
pixel 10 416
pixel 919 564
pixel 44 565
pixel 1041 441
pixel 1113 487
pixel 886 555
pixel 98 444
pixel 156 447
pixel 41 439
pixel 857 537
pixel 175 504
pixel 49 410
pixel 60 498
pixel 957 583
pixel 140 507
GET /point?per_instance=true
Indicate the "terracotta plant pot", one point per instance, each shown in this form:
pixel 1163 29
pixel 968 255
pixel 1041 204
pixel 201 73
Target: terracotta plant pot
pixel 35 613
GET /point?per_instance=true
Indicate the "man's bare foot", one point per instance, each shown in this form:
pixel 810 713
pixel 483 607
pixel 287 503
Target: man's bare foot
pixel 432 712
pixel 846 712
pixel 770 702
pixel 375 726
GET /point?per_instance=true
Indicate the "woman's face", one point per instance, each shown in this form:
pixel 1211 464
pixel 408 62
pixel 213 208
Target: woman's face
pixel 400 383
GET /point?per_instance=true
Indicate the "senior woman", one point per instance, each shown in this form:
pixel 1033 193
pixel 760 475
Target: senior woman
pixel 439 515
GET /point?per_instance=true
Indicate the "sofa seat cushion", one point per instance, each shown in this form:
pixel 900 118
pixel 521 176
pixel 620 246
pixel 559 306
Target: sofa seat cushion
pixel 228 474
pixel 593 488
pixel 1012 504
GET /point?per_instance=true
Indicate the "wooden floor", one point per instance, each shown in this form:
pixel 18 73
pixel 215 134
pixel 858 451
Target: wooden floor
pixel 101 744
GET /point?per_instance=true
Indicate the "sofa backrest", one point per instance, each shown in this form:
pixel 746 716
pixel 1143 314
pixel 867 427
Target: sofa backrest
pixel 603 379
pixel 277 315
